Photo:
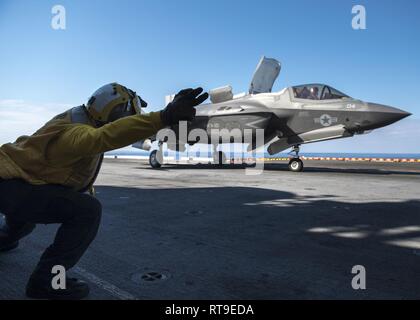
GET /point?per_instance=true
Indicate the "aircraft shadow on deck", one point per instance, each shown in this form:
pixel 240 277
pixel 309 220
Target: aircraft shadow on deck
pixel 269 226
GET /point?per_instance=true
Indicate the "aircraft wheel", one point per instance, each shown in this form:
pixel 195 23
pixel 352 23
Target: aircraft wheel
pixel 219 158
pixel 154 159
pixel 296 165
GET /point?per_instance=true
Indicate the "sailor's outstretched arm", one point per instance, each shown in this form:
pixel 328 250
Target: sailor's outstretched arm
pixel 84 140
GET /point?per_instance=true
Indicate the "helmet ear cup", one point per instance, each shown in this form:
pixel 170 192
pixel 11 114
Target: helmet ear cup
pixel 120 111
pixel 117 112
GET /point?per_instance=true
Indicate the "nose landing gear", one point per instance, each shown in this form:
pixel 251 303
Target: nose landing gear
pixel 156 157
pixel 295 164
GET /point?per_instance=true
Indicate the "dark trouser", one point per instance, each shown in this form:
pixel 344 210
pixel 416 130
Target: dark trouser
pixel 79 214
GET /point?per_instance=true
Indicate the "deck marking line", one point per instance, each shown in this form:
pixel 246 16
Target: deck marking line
pixel 105 285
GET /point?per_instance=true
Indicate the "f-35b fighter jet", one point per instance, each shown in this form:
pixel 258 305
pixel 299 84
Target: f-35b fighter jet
pixel 291 117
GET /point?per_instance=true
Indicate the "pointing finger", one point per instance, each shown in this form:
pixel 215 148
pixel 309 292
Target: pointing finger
pixel 201 99
pixel 194 93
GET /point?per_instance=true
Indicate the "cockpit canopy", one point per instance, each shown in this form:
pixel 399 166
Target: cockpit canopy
pixel 317 92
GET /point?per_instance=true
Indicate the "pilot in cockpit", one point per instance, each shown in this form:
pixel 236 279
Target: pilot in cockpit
pixel 304 93
pixel 313 93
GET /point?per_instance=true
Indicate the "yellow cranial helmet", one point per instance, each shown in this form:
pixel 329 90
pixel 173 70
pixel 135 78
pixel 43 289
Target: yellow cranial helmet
pixel 114 101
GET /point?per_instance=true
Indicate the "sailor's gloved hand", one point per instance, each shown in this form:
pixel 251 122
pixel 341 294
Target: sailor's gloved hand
pixel 182 108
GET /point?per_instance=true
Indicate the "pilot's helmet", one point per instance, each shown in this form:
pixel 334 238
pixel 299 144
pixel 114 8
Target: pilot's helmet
pixel 314 90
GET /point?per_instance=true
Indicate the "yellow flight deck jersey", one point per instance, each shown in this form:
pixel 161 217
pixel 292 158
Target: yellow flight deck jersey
pixel 68 150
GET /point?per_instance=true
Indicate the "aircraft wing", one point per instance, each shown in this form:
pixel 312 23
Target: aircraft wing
pixel 323 134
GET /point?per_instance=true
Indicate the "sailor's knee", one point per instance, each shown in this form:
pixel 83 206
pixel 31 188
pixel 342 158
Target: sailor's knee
pixel 30 227
pixel 92 208
pixel 95 208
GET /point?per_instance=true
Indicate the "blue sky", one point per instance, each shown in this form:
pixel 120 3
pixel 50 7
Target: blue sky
pixel 159 47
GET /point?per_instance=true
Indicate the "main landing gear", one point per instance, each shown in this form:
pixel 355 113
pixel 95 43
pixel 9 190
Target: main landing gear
pixel 156 157
pixel 219 157
pixel 295 164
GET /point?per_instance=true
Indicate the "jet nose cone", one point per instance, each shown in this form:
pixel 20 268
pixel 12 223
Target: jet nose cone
pixel 405 114
pixel 384 115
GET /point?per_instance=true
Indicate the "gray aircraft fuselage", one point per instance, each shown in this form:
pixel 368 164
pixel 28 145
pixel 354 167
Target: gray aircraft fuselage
pixel 291 117
pixel 288 120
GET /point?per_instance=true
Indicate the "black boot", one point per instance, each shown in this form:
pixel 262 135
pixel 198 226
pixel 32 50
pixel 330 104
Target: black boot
pixel 41 288
pixel 10 233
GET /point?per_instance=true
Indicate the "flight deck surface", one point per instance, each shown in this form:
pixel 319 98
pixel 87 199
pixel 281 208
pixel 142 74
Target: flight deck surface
pixel 201 232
